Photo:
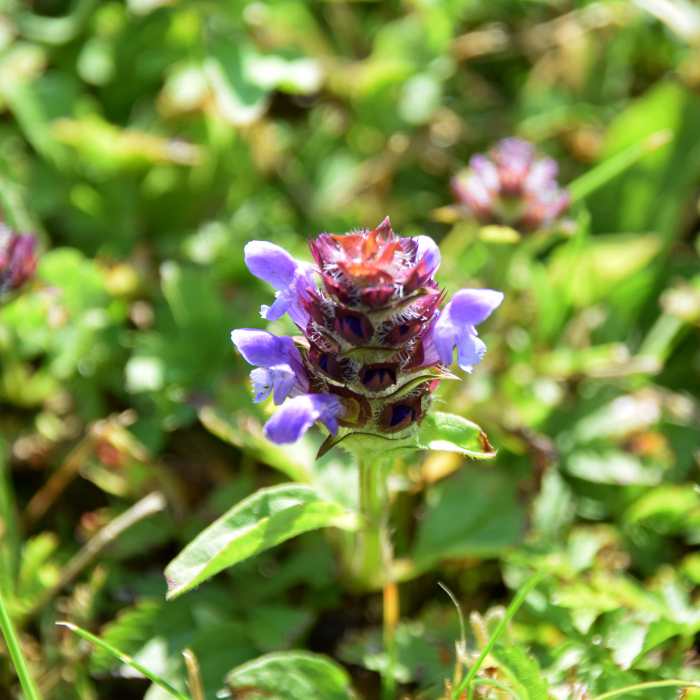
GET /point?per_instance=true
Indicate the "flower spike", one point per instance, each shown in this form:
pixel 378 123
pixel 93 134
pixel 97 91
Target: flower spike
pixel 512 187
pixel 376 345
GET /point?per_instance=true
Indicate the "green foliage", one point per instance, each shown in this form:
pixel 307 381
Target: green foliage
pixel 145 143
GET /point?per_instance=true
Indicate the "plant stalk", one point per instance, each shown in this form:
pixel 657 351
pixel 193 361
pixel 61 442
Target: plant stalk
pixel 374 558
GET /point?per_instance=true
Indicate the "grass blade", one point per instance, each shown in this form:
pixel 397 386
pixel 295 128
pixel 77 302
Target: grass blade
pixel 647 686
pixel 512 609
pixel 125 658
pixel 26 679
pixel 612 167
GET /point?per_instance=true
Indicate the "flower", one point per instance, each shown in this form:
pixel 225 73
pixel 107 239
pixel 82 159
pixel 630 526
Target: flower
pixel 454 327
pixel 375 345
pixel 280 370
pixel 290 277
pixel 512 187
pixel 17 258
pixel 300 413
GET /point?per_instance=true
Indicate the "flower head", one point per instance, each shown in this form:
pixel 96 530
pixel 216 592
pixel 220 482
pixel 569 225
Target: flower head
pixel 17 258
pixel 511 186
pixel 375 345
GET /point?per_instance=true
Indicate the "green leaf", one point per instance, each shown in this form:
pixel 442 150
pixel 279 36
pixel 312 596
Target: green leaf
pixel 471 514
pixel 524 671
pixel 438 431
pixel 449 433
pixel 240 101
pixel 293 675
pixel 265 519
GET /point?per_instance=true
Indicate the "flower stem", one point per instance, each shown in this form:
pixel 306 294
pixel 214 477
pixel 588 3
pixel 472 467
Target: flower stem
pixel 374 558
pixel 368 565
pixel 29 687
pixel 391 619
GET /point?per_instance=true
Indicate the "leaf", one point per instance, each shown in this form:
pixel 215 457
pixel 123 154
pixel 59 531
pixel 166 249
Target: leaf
pixel 240 101
pixel 293 675
pixel 471 514
pixel 275 627
pixel 438 431
pixel 263 520
pixel 450 433
pixel 524 671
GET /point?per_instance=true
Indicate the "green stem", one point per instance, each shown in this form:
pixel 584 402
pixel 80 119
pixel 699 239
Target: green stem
pixel 512 609
pixel 374 558
pixel 647 686
pixel 391 618
pixel 612 167
pixel 29 687
pixel 368 564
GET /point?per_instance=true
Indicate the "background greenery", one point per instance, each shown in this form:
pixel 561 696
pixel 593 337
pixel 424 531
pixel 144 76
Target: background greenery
pixel 146 142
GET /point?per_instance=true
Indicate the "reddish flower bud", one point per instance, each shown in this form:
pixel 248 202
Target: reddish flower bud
pixel 17 258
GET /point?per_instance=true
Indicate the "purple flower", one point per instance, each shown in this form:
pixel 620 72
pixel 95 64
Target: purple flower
pixel 290 277
pixel 512 186
pixel 375 343
pixel 454 327
pixel 297 415
pixel 280 370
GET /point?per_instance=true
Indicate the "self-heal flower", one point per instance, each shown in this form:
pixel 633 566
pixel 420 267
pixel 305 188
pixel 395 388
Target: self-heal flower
pixel 280 369
pixel 512 187
pixel 17 258
pixel 290 277
pixel 297 415
pixel 375 345
pixel 454 327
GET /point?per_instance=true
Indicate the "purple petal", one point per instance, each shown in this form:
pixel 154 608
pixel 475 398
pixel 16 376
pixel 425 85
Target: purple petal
pixel 297 415
pixel 541 175
pixel 428 250
pixel 270 263
pixel 454 327
pixel 263 349
pixel 470 351
pixel 443 336
pixel 280 372
pixel 486 172
pixel 470 307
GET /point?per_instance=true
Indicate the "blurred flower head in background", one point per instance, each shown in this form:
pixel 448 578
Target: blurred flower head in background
pixel 512 187
pixel 375 345
pixel 17 258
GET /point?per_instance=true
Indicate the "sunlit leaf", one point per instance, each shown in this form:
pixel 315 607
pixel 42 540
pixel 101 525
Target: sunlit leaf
pixel 263 520
pixel 293 675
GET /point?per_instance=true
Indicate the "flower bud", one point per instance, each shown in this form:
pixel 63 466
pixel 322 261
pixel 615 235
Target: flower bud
pixel 17 258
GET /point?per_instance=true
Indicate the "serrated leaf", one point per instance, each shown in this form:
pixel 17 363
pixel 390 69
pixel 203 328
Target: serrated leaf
pixel 524 671
pixel 263 520
pixel 294 675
